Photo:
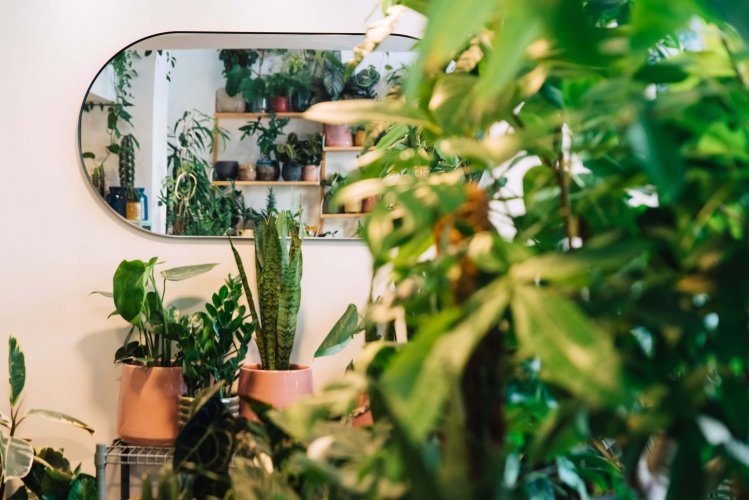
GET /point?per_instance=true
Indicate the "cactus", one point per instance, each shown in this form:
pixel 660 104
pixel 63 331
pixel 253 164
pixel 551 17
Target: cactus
pixel 127 166
pixel 278 266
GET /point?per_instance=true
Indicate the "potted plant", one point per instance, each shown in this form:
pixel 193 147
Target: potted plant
pixel 133 202
pixel 289 154
pixel 237 67
pixel 360 135
pixel 310 155
pixel 279 87
pixel 17 455
pixel 151 373
pixel 255 93
pixel 212 345
pixel 332 185
pixel 302 66
pixel 278 265
pixel 267 168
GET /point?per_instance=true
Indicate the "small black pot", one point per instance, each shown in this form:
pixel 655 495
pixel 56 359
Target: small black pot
pixel 226 170
pixel 267 170
pixel 292 171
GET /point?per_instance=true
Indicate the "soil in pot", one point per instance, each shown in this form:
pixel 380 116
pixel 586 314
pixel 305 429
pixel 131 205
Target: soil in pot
pixel 267 170
pixel 278 388
pixel 338 136
pixel 292 171
pixel 280 104
pixel 226 170
pixel 311 173
pixel 148 405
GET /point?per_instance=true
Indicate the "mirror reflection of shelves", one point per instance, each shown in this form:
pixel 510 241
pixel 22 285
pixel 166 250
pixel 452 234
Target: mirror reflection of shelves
pixel 264 183
pixel 254 116
pixel 343 216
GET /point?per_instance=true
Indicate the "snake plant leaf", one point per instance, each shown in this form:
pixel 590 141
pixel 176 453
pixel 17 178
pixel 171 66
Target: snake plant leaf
pixel 60 417
pixel 269 289
pixel 289 300
pixel 129 289
pixel 575 353
pixel 420 377
pixel 246 286
pixel 342 332
pixel 186 272
pixel 17 370
pixel 16 455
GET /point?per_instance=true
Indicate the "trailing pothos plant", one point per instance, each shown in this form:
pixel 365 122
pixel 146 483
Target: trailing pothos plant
pixel 278 271
pixel 549 363
pixel 17 455
pixel 138 300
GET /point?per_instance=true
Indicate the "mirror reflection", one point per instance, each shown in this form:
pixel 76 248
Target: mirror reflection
pixel 204 134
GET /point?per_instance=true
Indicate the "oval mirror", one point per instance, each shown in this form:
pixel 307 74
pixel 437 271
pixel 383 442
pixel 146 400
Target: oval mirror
pixel 200 134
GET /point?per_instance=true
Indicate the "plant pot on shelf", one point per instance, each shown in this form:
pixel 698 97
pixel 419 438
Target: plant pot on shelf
pixel 292 171
pixel 258 105
pixel 185 404
pixel 300 99
pixel 117 200
pixel 228 104
pixel 226 170
pixel 352 206
pixel 134 210
pixel 148 404
pixel 359 137
pixel 369 203
pixel 311 173
pixel 247 172
pixel 278 388
pixel 280 104
pixel 338 136
pixel 267 170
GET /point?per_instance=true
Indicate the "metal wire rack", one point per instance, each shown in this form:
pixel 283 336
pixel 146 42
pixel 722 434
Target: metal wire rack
pixel 122 453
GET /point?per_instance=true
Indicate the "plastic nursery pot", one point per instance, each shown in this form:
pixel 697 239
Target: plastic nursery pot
pixel 185 403
pixel 292 171
pixel 267 170
pixel 338 136
pixel 226 170
pixel 280 104
pixel 359 137
pixel 278 388
pixel 311 173
pixel 148 404
pixel 228 104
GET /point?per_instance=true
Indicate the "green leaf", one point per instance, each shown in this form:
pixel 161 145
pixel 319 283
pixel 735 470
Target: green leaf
pixel 363 110
pixel 17 369
pixel 16 455
pixel 83 488
pixel 89 154
pixel 129 289
pixel 575 353
pixel 60 417
pixel 104 294
pixel 186 272
pixel 341 333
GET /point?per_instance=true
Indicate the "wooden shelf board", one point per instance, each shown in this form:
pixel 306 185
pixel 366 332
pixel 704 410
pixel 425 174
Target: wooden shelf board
pixel 343 216
pixel 265 183
pixel 353 149
pixel 249 116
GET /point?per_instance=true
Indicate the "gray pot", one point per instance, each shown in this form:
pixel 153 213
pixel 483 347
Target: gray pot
pixel 292 171
pixel 260 105
pixel 226 170
pixel 185 406
pixel 267 170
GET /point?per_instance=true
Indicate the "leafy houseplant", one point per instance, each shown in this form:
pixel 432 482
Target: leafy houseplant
pixel 151 373
pixel 267 169
pixel 333 185
pixel 278 271
pixel 17 456
pixel 279 86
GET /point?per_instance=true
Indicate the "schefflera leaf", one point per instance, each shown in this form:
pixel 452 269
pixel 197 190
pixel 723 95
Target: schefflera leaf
pixel 575 353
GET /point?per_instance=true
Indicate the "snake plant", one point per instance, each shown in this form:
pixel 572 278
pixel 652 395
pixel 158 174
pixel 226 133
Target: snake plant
pixel 278 271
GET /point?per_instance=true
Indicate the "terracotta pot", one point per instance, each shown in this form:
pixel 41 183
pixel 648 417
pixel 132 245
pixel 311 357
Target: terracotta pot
pixel 368 204
pixel 148 407
pixel 280 104
pixel 363 414
pixel 311 173
pixel 338 136
pixel 359 137
pixel 228 104
pixel 185 402
pixel 278 388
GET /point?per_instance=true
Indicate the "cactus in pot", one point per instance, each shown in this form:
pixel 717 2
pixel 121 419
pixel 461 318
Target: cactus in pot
pixel 127 166
pixel 278 265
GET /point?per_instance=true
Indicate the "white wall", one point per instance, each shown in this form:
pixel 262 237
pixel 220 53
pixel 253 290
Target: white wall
pixel 58 240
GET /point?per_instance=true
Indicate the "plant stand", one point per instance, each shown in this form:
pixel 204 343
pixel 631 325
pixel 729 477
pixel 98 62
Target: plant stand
pixel 125 455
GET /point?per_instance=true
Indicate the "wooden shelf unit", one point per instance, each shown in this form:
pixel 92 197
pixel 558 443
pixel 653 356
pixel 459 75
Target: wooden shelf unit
pixel 344 216
pixel 265 183
pixel 350 149
pixel 254 116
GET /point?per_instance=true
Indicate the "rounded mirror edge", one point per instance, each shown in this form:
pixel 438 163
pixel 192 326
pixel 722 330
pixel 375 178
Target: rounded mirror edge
pixel 140 230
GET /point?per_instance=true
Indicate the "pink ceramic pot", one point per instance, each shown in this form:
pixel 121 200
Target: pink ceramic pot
pixel 148 405
pixel 278 388
pixel 310 173
pixel 338 136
